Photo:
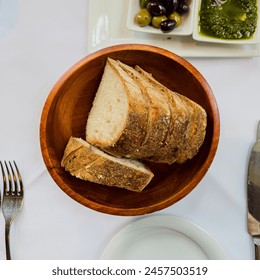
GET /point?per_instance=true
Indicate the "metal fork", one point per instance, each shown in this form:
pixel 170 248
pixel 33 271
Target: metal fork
pixel 12 198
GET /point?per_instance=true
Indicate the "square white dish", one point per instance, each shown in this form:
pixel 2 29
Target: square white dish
pixel 184 29
pixel 107 25
pixel 198 36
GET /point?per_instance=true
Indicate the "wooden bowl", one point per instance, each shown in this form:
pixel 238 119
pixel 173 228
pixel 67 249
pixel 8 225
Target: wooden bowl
pixel 66 110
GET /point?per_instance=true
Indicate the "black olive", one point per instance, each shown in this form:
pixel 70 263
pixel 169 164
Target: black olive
pixel 156 8
pixel 182 9
pixel 182 2
pixel 170 5
pixel 167 25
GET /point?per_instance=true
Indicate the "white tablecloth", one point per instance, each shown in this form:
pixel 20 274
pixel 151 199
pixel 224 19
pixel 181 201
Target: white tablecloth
pixel 39 41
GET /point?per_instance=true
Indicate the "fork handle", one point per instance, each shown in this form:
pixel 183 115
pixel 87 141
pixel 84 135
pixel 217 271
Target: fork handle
pixel 7 241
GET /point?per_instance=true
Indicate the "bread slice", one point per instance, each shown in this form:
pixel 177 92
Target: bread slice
pixel 195 133
pixel 159 116
pixel 117 122
pixel 188 125
pixel 103 168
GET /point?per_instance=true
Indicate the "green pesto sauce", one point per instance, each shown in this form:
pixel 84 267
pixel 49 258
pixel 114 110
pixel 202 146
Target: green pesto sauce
pixel 235 19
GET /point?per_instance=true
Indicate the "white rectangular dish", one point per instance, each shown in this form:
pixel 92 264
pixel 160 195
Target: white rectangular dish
pixel 107 25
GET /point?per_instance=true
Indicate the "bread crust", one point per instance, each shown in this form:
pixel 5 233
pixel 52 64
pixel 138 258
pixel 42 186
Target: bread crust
pixel 71 147
pixel 196 131
pixel 77 154
pixel 177 126
pixel 187 128
pixel 110 173
pixel 159 116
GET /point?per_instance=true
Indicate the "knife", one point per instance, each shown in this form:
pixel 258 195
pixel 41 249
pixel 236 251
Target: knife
pixel 253 194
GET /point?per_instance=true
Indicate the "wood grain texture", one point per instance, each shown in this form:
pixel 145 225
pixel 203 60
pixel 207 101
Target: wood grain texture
pixel 66 110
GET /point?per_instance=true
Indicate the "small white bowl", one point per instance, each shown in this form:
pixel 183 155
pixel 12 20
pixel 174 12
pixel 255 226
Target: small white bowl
pixel 184 29
pixel 198 36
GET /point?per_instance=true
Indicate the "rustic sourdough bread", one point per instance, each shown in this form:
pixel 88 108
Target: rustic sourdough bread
pixel 117 122
pixel 180 117
pixel 91 164
pixel 158 118
pixel 187 129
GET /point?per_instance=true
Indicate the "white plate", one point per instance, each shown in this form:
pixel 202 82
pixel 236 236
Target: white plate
pixel 107 25
pixel 184 29
pixel 163 238
pixel 199 37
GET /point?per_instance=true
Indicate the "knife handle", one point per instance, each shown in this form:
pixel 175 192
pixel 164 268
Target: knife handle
pixel 257 247
pixel 257 252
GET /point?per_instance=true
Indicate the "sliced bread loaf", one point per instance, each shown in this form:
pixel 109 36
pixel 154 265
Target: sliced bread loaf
pixel 188 125
pixel 103 168
pixel 180 117
pixel 159 116
pixel 117 122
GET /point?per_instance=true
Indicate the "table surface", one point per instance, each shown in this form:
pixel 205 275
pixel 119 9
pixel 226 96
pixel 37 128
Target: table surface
pixel 39 41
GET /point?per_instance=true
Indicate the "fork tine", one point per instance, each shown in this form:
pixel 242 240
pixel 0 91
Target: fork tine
pixel 19 178
pixel 15 190
pixel 4 177
pixel 9 186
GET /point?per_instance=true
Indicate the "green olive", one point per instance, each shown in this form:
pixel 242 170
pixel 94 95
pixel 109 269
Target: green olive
pixel 143 18
pixel 177 17
pixel 156 20
pixel 143 3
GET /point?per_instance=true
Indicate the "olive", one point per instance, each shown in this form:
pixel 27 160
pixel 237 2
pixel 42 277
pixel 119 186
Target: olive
pixel 156 8
pixel 167 25
pixel 143 3
pixel 182 9
pixel 177 17
pixel 157 20
pixel 143 18
pixel 170 5
pixel 183 2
